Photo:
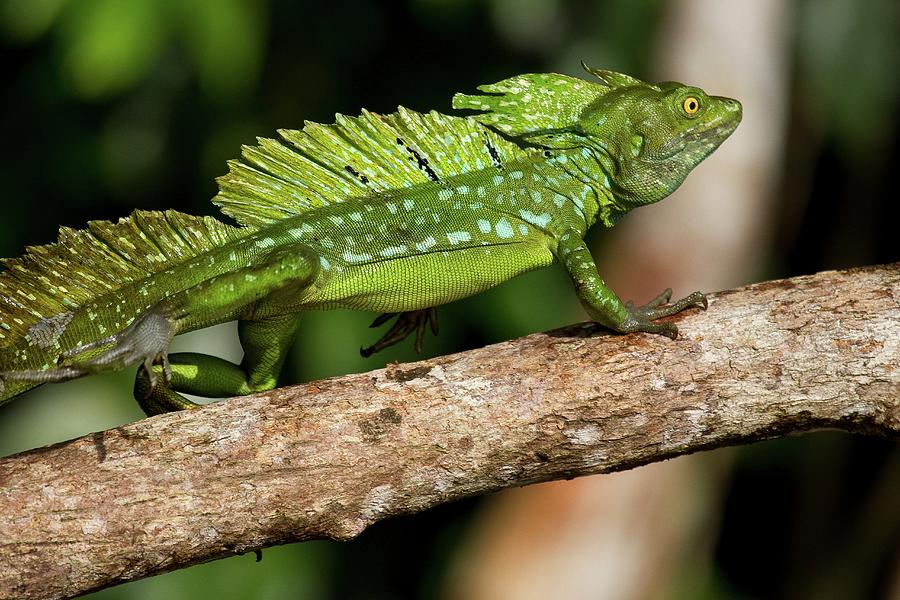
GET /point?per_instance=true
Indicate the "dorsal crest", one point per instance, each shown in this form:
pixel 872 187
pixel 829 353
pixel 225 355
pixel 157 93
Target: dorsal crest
pixel 357 157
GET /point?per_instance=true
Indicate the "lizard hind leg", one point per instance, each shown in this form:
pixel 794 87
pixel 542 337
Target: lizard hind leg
pixel 265 342
pixel 146 340
pixel 262 298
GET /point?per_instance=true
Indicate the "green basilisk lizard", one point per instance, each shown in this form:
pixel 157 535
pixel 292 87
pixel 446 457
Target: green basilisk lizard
pixel 391 213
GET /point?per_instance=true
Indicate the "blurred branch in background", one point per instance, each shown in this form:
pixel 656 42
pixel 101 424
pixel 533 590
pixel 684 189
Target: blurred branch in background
pixel 330 458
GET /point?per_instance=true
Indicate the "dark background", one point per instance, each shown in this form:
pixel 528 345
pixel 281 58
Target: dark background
pixel 108 106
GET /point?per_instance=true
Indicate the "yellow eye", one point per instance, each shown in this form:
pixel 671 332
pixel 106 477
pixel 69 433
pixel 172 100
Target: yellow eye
pixel 690 105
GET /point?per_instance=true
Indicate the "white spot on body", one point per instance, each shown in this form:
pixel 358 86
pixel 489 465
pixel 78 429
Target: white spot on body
pixel 393 251
pixel 445 194
pixel 265 243
pixel 46 332
pixel 426 244
pixel 350 257
pixel 484 226
pixel 457 237
pixel 541 220
pixel 296 232
pixel 504 229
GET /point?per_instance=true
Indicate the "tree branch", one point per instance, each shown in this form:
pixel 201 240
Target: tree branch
pixel 329 458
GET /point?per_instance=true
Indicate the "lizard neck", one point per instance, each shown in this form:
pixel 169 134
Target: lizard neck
pixel 595 200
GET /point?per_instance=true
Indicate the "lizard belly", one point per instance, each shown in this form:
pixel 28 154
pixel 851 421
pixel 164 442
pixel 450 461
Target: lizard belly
pixel 424 280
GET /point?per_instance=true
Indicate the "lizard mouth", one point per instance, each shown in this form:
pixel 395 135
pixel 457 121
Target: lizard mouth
pixel 702 139
pixel 713 135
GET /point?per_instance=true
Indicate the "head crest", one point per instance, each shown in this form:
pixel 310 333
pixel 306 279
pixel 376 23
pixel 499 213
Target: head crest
pixel 537 104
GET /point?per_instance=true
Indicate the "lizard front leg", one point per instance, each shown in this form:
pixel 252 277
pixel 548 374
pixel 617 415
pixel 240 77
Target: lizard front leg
pixel 605 307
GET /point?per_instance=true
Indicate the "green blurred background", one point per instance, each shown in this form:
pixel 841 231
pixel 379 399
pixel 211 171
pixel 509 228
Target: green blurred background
pixel 111 105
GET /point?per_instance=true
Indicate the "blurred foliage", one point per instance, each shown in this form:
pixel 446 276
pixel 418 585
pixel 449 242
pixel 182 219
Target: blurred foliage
pixel 858 105
pixel 843 147
pixel 108 47
pixel 110 105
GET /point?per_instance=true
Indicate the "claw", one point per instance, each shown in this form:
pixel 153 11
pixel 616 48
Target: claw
pixel 382 319
pixel 407 322
pixel 161 359
pixel 642 318
pixel 167 368
pixel 662 299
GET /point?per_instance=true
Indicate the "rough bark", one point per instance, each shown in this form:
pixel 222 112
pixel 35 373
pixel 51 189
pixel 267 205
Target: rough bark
pixel 329 458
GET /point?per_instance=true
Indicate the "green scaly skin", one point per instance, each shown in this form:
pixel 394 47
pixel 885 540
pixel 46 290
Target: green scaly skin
pixel 397 214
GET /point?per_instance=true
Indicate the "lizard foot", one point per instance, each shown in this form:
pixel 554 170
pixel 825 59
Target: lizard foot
pixel 640 318
pixel 145 341
pixel 407 322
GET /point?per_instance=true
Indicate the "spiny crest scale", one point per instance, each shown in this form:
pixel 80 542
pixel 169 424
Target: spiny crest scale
pixel 356 157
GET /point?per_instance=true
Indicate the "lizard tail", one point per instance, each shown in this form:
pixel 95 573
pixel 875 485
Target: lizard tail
pixel 43 291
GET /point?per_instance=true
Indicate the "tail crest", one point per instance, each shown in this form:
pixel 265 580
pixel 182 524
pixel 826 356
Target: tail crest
pixel 39 290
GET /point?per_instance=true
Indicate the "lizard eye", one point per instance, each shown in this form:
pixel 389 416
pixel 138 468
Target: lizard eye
pixel 690 105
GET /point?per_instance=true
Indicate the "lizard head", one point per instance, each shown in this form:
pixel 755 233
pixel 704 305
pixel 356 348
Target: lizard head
pixel 647 136
pixel 650 136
